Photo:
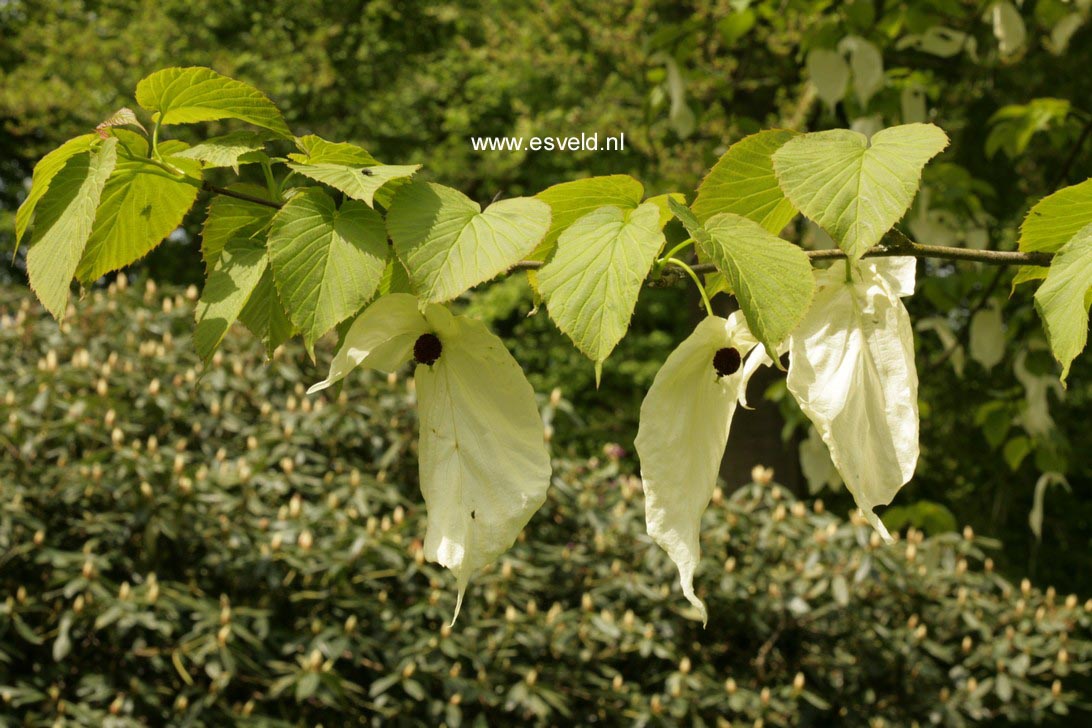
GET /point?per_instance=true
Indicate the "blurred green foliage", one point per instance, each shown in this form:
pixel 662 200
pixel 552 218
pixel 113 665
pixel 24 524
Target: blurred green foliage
pixel 212 547
pixel 412 81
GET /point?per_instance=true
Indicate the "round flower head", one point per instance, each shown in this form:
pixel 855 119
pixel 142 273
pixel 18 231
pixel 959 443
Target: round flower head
pixel 483 459
pixel 685 419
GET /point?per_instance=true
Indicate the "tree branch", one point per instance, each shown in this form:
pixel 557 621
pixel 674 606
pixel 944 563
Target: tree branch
pixel 239 195
pixel 894 244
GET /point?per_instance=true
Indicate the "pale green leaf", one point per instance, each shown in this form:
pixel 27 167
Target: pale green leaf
pixel 359 183
pixel 1063 299
pixel 743 181
pixel 856 190
pixel 987 339
pixel 141 205
pixel 663 202
pixel 327 262
pixel 230 217
pixel 866 62
pixel 770 277
pixel 1008 28
pixel 230 284
pixel 1055 219
pixel 188 95
pixel 316 150
pixel 346 167
pixel 1028 273
pixel 592 282
pixel 829 73
pixel 570 201
pixel 395 278
pixel 228 150
pixel 449 244
pixel 44 172
pixel 264 315
pixel 64 220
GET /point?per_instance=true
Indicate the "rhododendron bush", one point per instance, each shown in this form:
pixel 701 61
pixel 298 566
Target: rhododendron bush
pixel 337 241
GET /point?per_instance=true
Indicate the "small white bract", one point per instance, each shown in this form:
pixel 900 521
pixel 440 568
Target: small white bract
pixel 483 459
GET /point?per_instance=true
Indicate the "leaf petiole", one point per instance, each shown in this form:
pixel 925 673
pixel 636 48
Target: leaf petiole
pixel 697 281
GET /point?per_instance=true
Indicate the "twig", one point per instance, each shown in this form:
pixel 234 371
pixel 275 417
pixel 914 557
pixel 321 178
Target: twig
pixel 894 244
pixel 240 195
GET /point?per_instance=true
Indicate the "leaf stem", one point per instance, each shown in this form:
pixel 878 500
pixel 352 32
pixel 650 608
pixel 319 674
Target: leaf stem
pixel 697 281
pixel 240 195
pixel 270 180
pixel 155 140
pixel 671 253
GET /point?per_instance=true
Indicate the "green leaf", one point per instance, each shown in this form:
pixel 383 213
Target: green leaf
pixel 346 167
pixel 188 95
pixel 829 74
pixel 327 262
pixel 230 217
pixel 316 150
pixel 771 277
pixel 570 201
pixel 592 282
pixel 1028 273
pixel 664 203
pixel 227 150
pixel 743 181
pixel 1064 298
pixel 1055 219
pixel 230 284
pixel 141 205
pixel 44 172
pixel 855 190
pixel 395 278
pixel 359 183
pixel 264 315
pixel 450 245
pixel 63 222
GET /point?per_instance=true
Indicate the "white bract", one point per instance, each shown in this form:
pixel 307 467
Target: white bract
pixel 852 371
pixel 483 459
pixel 685 418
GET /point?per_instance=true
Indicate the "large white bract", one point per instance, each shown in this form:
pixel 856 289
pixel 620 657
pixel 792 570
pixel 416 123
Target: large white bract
pixel 483 459
pixel 685 419
pixel 852 371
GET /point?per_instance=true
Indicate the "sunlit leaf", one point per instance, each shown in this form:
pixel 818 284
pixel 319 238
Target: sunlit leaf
pixel 1064 298
pixel 327 261
pixel 188 95
pixel 592 282
pixel 449 244
pixel 63 222
pixel 854 189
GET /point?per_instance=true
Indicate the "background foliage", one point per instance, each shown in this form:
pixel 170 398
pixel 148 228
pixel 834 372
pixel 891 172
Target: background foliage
pixel 223 549
pixel 411 81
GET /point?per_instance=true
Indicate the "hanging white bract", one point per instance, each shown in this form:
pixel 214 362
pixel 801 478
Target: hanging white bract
pixel 852 371
pixel 483 459
pixel 685 418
